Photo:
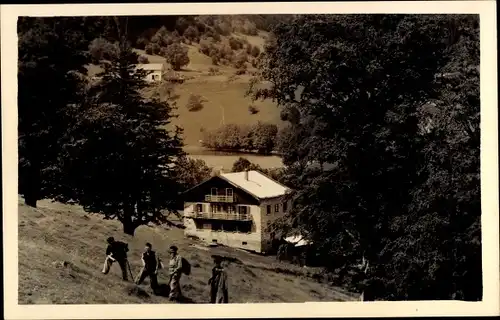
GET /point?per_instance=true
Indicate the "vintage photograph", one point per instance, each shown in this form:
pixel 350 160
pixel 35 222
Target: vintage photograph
pixel 249 158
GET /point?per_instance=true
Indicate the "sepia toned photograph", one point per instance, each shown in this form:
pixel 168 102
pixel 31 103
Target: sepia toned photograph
pixel 249 158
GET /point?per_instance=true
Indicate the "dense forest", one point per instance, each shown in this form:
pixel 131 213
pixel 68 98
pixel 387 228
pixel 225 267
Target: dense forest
pixel 391 102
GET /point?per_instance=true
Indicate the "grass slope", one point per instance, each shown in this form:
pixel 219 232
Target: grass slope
pixel 61 251
pixel 224 94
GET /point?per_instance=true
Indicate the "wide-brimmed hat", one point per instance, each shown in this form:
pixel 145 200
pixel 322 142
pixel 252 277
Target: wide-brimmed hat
pixel 173 249
pixel 110 239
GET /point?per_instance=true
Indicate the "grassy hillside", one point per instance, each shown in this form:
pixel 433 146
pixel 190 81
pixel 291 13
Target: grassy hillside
pixel 224 93
pixel 61 251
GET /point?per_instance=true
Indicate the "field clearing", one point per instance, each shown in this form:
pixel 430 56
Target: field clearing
pixel 62 249
pixel 224 95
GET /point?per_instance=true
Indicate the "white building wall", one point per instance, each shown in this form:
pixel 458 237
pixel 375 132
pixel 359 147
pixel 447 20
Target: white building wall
pixel 266 219
pixel 154 76
pixel 249 241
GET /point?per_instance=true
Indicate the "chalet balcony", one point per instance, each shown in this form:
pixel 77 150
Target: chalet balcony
pixel 219 216
pixel 214 198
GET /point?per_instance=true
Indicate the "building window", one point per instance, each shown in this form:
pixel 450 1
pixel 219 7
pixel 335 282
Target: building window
pixel 199 208
pixel 213 191
pixel 285 206
pixel 242 210
pixel 214 209
pixel 269 209
pixel 231 209
pixel 276 208
pixel 229 192
pixel 219 208
pixel 244 243
pixel 207 226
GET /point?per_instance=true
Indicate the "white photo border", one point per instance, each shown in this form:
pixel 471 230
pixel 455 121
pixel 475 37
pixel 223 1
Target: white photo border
pixel 490 305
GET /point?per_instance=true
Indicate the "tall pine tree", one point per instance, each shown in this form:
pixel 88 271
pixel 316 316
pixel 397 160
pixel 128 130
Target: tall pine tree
pixel 123 151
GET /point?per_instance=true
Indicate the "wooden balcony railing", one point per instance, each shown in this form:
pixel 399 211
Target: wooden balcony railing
pixel 219 216
pixel 225 199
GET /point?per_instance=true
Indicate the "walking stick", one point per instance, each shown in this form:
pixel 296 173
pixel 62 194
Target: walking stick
pixel 130 270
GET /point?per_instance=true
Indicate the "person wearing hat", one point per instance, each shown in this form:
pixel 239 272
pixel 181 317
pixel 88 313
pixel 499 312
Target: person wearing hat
pixel 218 283
pixel 150 265
pixel 116 252
pixel 175 272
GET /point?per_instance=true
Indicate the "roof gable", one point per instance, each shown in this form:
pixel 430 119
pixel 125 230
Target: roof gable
pixel 258 185
pixel 150 66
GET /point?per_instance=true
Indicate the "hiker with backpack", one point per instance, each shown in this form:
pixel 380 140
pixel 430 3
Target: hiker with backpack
pixel 218 283
pixel 150 265
pixel 116 252
pixel 177 266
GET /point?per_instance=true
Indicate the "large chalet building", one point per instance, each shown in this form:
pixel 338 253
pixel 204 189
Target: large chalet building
pixel 234 209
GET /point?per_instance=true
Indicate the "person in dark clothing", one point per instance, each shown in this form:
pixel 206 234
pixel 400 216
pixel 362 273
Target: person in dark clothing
pixel 116 252
pixel 150 265
pixel 218 283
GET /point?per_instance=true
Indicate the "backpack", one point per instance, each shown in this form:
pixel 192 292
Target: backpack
pixel 186 267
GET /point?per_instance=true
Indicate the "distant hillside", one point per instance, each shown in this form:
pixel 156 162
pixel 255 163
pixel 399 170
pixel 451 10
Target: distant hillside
pixel 223 53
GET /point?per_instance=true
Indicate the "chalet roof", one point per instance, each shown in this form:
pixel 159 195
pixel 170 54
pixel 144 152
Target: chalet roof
pixel 297 240
pixel 258 184
pixel 150 66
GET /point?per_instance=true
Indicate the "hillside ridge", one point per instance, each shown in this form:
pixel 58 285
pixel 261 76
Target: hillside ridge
pixel 60 262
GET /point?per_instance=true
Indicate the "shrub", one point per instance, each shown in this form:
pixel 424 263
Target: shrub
pixel 255 52
pixel 213 71
pixel 176 55
pixel 215 60
pixel 240 60
pixel 195 103
pixel 235 43
pixel 143 59
pixel 205 47
pixel 253 109
pixel 226 52
pixel 240 71
pixel 255 63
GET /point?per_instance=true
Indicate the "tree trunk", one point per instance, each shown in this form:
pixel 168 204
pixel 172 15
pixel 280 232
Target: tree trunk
pixel 129 226
pixel 366 294
pixel 31 188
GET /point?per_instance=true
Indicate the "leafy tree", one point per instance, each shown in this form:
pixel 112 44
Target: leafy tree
pixel 101 49
pixel 264 137
pixel 243 164
pixel 153 48
pixel 191 172
pixel 191 33
pixel 240 60
pixel 51 74
pixel 122 159
pixel 143 59
pixel 177 56
pixel 195 103
pixel 362 81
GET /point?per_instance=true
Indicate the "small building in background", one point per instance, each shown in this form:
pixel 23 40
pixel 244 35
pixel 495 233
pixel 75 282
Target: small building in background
pixel 235 209
pixel 155 71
